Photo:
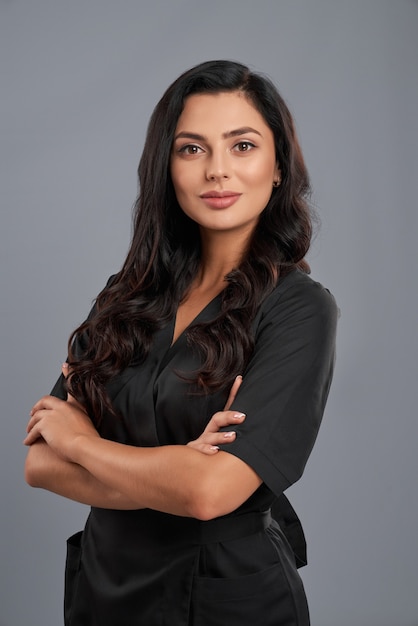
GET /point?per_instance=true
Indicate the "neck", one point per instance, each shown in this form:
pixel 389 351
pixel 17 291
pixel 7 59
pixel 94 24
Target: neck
pixel 221 253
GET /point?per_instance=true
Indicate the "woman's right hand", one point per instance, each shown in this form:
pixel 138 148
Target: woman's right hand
pixel 211 438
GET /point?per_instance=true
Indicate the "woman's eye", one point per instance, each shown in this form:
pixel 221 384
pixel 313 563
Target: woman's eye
pixel 244 146
pixel 190 149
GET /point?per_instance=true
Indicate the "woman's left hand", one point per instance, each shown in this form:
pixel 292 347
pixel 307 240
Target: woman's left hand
pixel 59 423
pixel 212 437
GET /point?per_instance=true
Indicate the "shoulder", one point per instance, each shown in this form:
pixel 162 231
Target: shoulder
pixel 299 289
pixel 298 300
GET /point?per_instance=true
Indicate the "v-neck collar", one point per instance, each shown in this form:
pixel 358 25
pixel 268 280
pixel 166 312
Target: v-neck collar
pixel 203 315
pixel 208 312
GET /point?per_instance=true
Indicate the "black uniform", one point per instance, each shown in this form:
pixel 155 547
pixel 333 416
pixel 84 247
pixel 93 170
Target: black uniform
pixel 143 567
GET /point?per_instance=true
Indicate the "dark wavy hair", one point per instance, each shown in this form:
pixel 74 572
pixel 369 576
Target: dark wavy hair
pixel 164 254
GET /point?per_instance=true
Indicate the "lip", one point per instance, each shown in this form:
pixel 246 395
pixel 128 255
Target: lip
pixel 220 199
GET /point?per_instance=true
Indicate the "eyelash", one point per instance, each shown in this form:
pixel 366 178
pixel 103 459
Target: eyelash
pixel 249 145
pixel 184 149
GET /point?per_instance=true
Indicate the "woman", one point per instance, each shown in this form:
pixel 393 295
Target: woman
pixel 214 285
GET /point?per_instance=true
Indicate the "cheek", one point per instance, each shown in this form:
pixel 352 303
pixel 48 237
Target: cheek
pixel 260 180
pixel 181 182
pixel 261 176
pixel 261 171
pixel 174 177
pixel 182 189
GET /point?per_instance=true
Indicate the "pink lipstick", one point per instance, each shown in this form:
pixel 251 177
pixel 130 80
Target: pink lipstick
pixel 220 199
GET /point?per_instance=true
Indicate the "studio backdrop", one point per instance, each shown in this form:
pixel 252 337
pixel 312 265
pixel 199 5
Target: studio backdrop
pixel 78 83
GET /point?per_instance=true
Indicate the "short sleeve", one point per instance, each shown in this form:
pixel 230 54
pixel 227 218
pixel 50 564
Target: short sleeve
pixel 286 383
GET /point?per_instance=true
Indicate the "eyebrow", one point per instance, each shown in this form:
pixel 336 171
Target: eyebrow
pixel 231 133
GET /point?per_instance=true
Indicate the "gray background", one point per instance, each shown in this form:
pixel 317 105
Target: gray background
pixel 78 82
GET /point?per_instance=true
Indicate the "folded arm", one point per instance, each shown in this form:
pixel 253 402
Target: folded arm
pixel 173 479
pixel 45 469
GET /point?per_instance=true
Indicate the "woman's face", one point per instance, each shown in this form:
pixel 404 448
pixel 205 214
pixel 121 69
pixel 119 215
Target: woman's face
pixel 223 162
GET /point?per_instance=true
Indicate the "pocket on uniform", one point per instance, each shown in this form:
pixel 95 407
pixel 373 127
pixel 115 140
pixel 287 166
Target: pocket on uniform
pixel 72 569
pixel 260 598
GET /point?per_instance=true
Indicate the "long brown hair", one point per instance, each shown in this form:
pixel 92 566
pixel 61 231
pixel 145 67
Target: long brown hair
pixel 165 252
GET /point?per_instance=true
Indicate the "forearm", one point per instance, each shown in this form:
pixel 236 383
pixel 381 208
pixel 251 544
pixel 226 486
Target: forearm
pixel 173 479
pixel 45 469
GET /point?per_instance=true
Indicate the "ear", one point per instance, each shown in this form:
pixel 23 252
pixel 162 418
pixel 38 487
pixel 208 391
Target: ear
pixel 277 177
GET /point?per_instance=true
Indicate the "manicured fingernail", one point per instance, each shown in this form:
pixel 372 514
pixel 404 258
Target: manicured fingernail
pixel 239 376
pixel 238 416
pixel 65 365
pixel 214 448
pixel 229 435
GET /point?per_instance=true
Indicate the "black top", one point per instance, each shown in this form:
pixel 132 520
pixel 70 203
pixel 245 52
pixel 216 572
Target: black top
pixel 147 567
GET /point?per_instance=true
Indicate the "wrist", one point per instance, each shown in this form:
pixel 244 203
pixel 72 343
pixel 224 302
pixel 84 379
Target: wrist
pixel 79 447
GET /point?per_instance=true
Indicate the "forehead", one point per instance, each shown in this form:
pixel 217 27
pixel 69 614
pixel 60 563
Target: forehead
pixel 220 111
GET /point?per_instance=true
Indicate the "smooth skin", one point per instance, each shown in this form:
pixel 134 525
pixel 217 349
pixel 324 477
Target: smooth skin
pixel 67 462
pixel 222 145
pixel 48 470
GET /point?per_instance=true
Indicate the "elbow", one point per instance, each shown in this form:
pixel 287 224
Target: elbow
pixel 221 486
pixel 33 468
pixel 206 502
pixel 202 511
pixel 30 473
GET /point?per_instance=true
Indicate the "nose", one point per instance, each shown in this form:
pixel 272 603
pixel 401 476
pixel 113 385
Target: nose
pixel 217 167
